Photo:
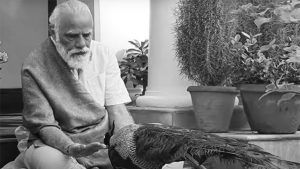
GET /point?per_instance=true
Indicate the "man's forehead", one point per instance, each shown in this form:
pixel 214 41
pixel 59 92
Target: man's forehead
pixel 74 31
pixel 74 23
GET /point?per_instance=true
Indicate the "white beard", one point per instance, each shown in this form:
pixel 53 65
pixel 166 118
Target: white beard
pixel 72 58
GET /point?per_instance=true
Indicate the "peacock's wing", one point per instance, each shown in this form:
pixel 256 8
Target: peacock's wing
pixel 165 145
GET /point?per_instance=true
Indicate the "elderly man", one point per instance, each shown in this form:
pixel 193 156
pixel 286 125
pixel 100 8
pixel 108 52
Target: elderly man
pixel 72 93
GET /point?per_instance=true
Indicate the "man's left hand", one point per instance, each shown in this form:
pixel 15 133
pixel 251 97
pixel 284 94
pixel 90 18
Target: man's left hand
pixel 81 150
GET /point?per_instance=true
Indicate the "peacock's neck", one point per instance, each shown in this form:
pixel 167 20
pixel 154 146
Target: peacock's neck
pixel 124 142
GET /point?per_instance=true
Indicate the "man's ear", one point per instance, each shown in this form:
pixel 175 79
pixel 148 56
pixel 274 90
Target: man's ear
pixel 52 31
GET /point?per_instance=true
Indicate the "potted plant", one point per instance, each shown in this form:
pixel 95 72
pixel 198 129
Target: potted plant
pixel 3 56
pixel 268 53
pixel 134 68
pixel 202 32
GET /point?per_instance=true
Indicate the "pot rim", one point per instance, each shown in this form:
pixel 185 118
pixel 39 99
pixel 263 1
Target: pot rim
pixel 253 87
pixel 212 89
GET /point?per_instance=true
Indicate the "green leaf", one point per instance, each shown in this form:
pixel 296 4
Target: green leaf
pixel 146 51
pixel 294 3
pixel 293 60
pixel 285 97
pixel 146 46
pixel 135 43
pixel 287 13
pixel 142 45
pixel 294 54
pixel 247 6
pixel 264 12
pixel 133 50
pixel 295 15
pixel 264 48
pixel 264 95
pixel 259 34
pixel 270 87
pixel 261 20
pixel 135 81
pixel 247 35
pixel 267 47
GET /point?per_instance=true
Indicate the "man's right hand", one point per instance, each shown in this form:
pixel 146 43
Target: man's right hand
pixel 81 150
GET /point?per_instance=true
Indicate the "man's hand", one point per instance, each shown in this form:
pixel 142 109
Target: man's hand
pixel 81 150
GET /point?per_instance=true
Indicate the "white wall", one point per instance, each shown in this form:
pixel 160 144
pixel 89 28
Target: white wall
pixel 123 20
pixel 23 25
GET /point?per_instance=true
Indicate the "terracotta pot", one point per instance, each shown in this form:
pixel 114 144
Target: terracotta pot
pixel 265 116
pixel 239 119
pixel 213 106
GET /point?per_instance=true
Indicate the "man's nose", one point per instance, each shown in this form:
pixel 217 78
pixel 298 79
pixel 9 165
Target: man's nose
pixel 80 42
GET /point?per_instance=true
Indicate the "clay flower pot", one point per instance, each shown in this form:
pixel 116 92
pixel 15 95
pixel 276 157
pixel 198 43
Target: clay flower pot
pixel 213 106
pixel 266 115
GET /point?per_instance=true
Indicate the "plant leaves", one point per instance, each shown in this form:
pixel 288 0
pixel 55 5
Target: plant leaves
pixel 135 43
pixel 134 67
pixel 135 81
pixel 264 95
pixel 144 44
pixel 133 50
pixel 264 12
pixel 261 20
pixel 285 97
pixel 146 51
pixel 267 47
pixel 245 34
pixel 270 87
pixel 294 3
pixel 294 55
pixel 288 13
pixel 264 48
pixel 293 60
pixel 259 34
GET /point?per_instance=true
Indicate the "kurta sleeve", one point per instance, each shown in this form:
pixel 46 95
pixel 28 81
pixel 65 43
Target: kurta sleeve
pixel 37 113
pixel 115 90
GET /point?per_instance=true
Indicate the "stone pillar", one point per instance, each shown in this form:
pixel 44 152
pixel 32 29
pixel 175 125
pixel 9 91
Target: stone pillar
pixel 166 100
pixel 166 87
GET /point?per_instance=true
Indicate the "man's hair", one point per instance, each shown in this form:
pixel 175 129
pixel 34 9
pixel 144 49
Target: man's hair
pixel 73 6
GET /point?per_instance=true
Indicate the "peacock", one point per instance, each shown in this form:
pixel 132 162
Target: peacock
pixel 151 146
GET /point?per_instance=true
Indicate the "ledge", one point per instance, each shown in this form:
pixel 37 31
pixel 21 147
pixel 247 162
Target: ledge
pixel 172 101
pixel 10 120
pixel 284 146
pixel 254 136
pixel 7 132
pixel 167 109
pixel 181 117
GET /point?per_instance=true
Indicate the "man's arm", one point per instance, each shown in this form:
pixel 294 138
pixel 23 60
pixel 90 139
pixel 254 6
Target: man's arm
pixel 119 115
pixel 116 94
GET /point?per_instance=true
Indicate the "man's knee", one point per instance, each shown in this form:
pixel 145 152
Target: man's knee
pixel 45 157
